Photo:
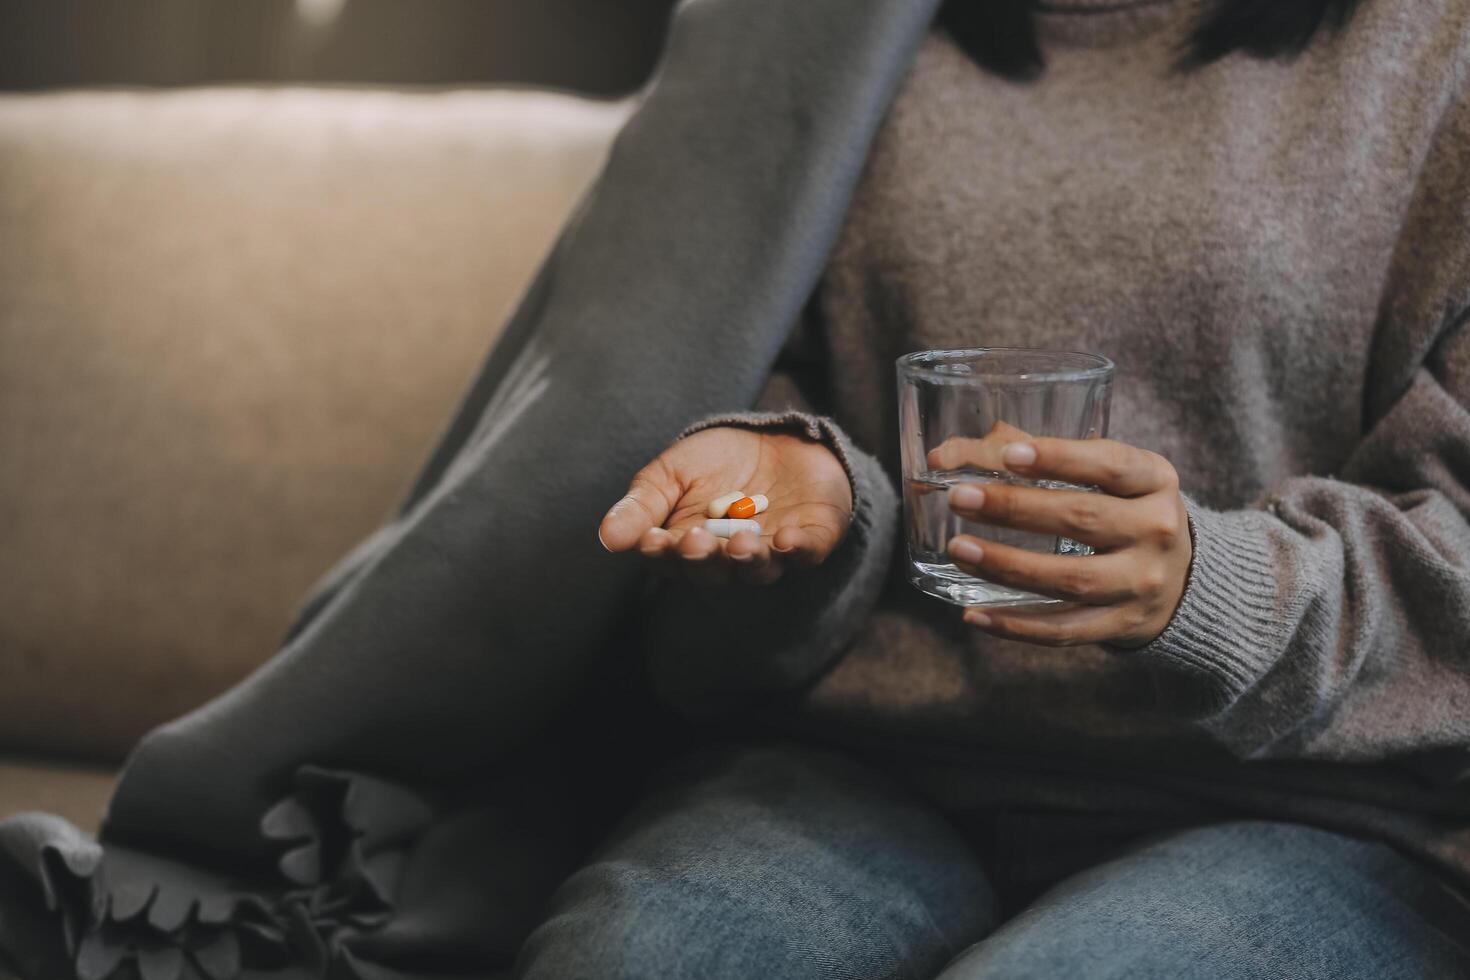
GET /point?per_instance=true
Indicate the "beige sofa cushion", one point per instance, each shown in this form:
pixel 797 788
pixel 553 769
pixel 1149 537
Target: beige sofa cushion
pixel 232 322
pixel 78 793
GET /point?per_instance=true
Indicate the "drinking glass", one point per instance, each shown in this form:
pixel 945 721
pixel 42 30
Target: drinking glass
pixel 957 409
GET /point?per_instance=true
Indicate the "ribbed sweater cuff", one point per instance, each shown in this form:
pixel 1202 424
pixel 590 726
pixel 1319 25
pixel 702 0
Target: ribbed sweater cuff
pixel 1229 628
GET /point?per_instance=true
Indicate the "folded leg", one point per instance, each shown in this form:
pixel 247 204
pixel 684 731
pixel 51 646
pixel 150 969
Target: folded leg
pixel 773 861
pixel 1237 900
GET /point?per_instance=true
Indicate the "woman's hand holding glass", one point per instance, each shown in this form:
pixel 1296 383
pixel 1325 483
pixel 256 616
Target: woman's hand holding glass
pixel 1126 592
pixel 663 513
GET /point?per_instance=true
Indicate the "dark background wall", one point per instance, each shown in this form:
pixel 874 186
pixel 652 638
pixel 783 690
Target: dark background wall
pixel 599 46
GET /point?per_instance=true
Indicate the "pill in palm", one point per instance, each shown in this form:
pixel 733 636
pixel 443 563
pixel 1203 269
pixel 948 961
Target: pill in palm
pixel 742 508
pixel 761 503
pixel 721 505
pixel 727 528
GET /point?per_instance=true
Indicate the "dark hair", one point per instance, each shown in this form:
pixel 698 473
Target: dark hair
pixel 1001 34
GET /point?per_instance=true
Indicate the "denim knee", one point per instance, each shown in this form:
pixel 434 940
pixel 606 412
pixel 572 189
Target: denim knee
pixel 622 922
pixel 775 864
pixel 1228 902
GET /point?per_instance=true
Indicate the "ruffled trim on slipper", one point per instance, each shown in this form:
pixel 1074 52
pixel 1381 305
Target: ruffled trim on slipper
pixel 128 915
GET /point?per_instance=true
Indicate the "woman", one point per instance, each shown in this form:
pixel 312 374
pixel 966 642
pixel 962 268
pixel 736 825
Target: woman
pixel 1198 766
pixel 1241 753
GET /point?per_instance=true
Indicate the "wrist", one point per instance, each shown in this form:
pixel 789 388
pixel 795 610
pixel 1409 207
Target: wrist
pixel 1227 627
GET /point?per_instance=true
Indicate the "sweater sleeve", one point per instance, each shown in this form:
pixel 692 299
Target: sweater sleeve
pixel 712 651
pixel 1332 621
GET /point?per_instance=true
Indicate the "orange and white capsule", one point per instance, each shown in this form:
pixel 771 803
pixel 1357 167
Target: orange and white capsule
pixel 720 506
pixel 747 507
pixel 742 509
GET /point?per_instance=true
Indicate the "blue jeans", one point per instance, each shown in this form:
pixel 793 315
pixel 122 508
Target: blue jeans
pixel 791 862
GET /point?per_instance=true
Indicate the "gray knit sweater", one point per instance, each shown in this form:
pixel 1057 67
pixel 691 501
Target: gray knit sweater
pixel 1277 255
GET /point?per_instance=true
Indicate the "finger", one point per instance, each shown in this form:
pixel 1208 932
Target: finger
pixel 1049 626
pixel 744 545
pixel 746 548
pixel 1098 519
pixel 650 499
pixel 750 560
pixel 1094 579
pixel 659 548
pixel 806 544
pixel 657 542
pixel 701 558
pixel 1115 467
pixel 697 544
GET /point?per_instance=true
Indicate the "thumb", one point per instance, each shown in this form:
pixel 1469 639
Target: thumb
pixel 649 501
pixel 957 452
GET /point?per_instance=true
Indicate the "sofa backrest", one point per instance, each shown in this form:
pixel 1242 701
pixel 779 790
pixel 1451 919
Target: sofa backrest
pixel 232 324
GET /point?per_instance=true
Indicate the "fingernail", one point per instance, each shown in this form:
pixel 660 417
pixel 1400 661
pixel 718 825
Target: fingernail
pixel 966 496
pixel 977 618
pixel 965 550
pixel 600 541
pixel 1018 454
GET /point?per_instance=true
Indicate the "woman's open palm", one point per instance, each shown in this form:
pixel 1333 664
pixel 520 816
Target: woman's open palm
pixel 664 511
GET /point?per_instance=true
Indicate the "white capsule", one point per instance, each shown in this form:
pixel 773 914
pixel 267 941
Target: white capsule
pixel 729 528
pixel 721 505
pixel 761 503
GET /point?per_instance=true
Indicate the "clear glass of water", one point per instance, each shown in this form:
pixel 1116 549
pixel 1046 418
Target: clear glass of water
pixel 957 409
